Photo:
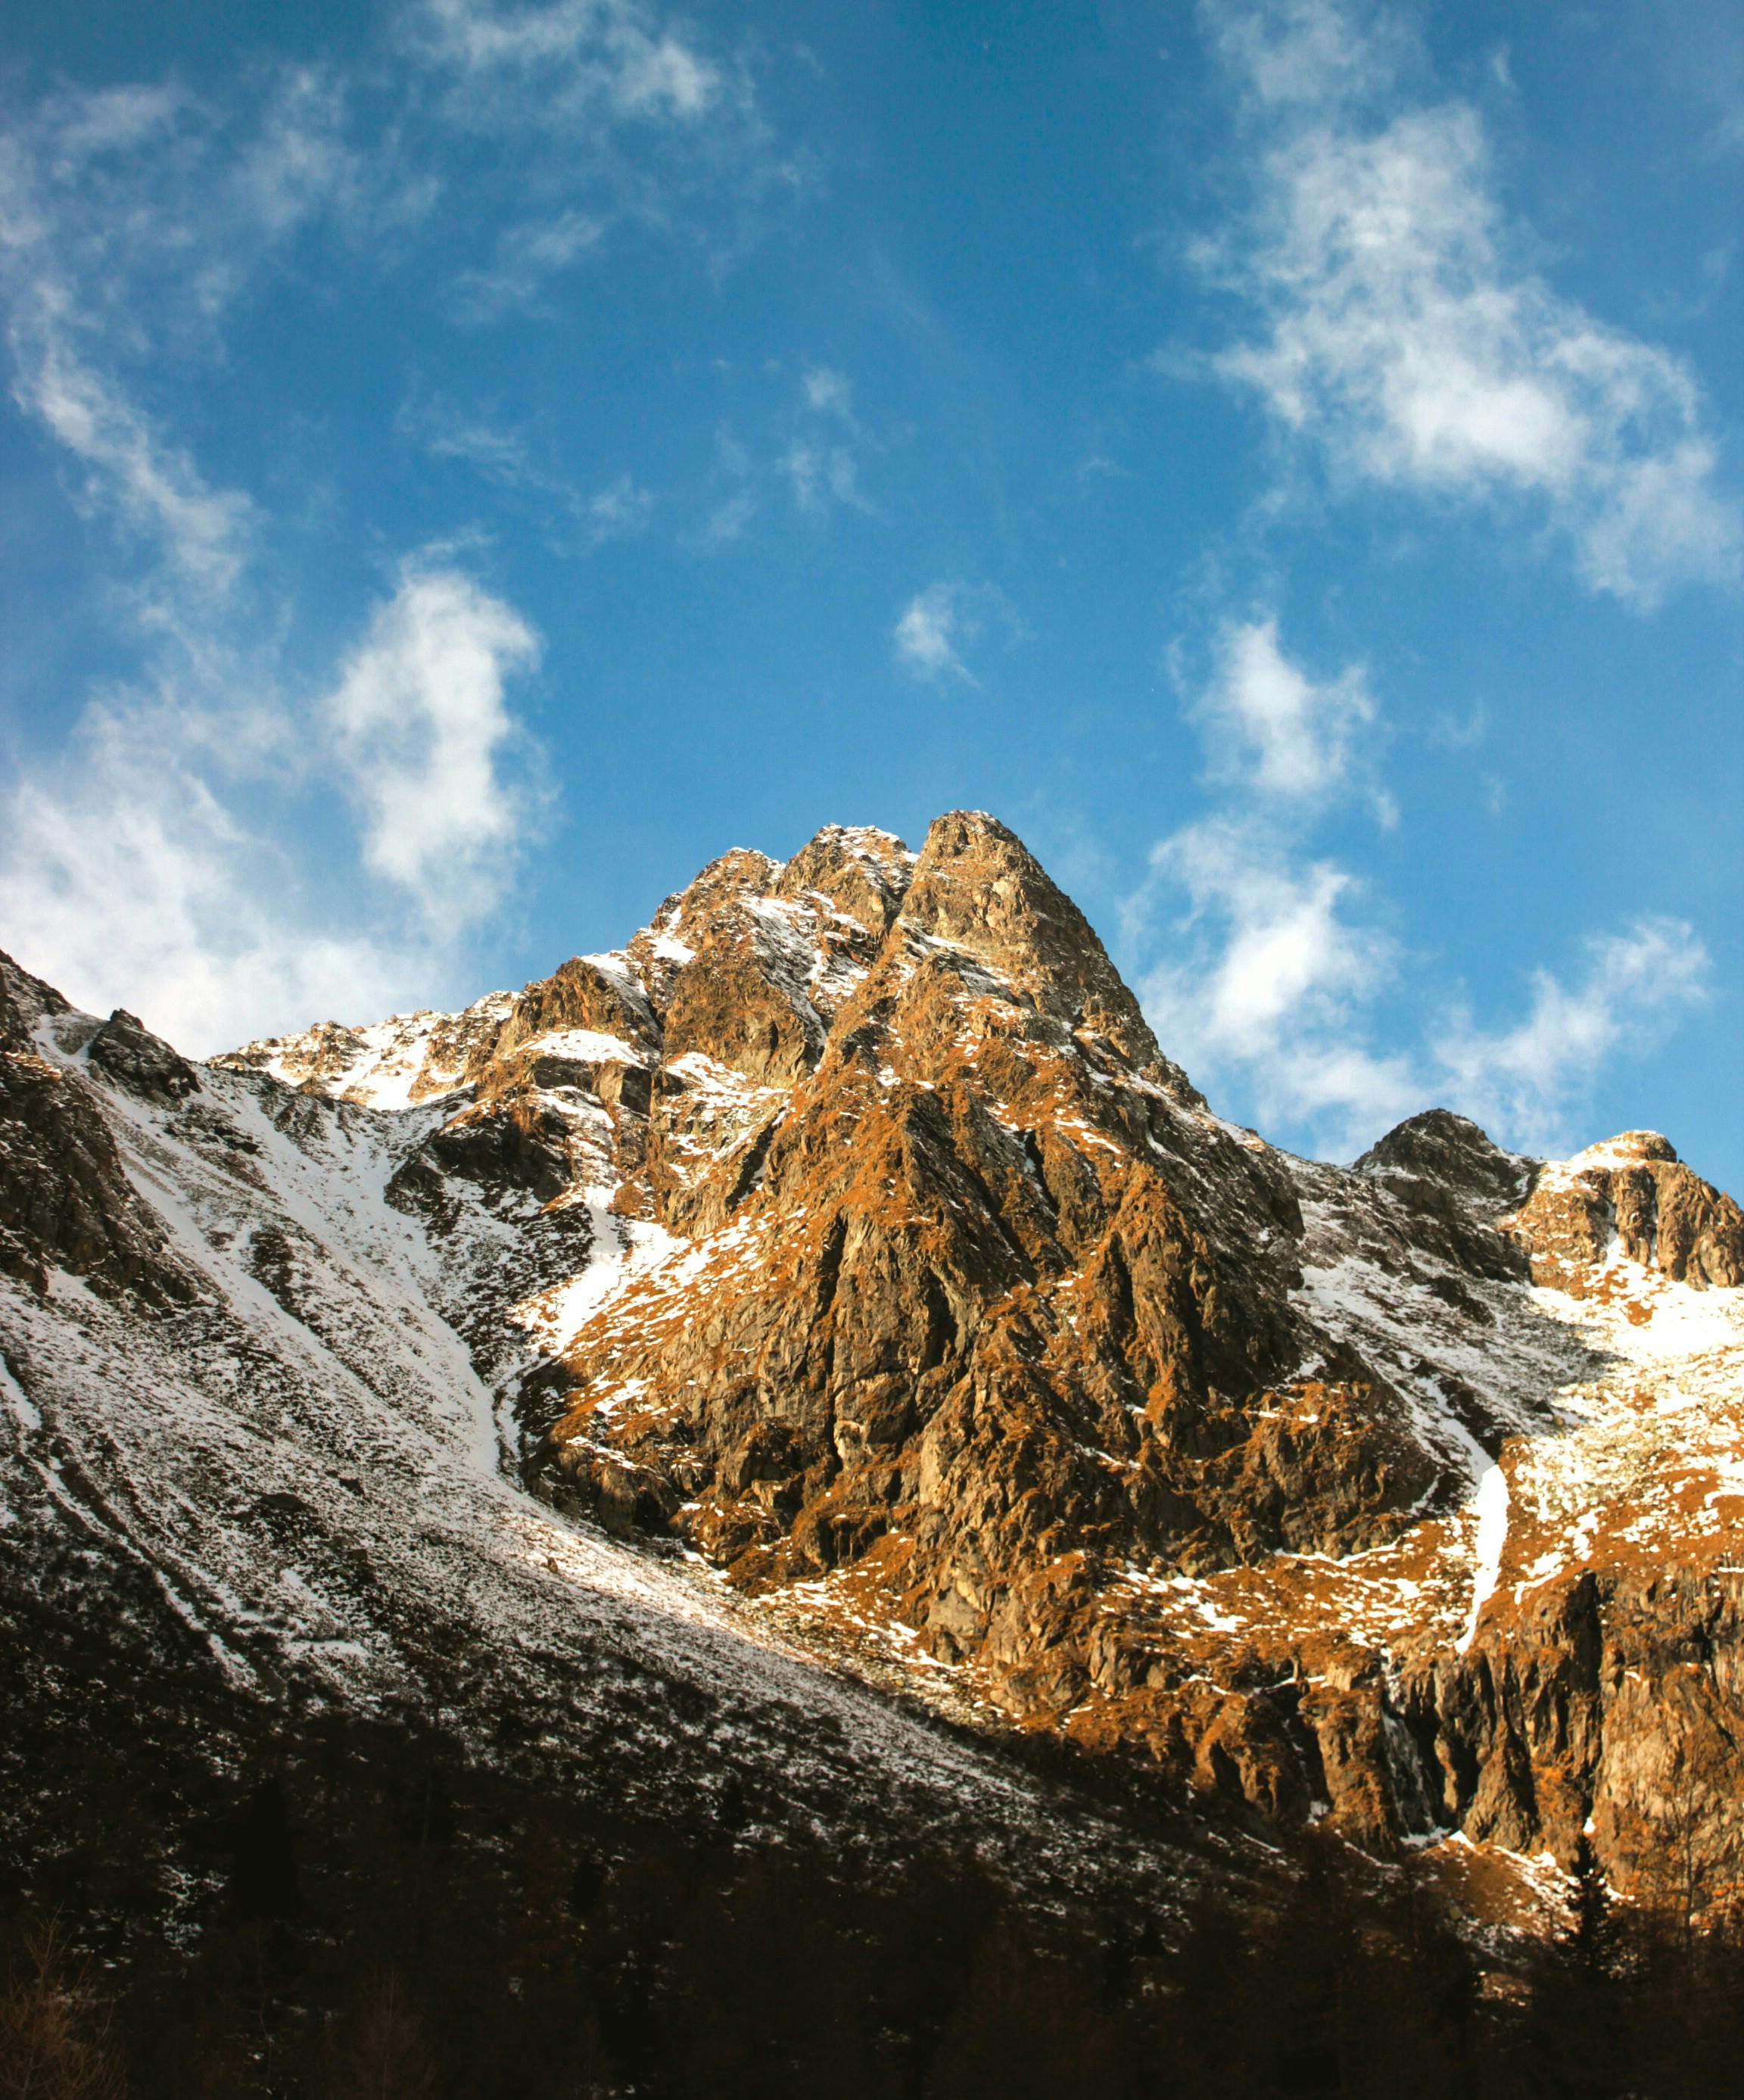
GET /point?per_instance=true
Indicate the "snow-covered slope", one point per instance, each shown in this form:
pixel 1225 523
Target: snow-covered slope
pixel 835 1293
pixel 273 1425
pixel 391 1064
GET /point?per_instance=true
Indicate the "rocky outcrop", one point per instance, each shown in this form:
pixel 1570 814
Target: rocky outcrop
pixel 398 1063
pixel 65 1201
pixel 266 1517
pixel 993 1327
pixel 1630 1198
pixel 1458 1187
pixel 988 1323
pixel 1606 1702
pixel 126 1051
pixel 26 1005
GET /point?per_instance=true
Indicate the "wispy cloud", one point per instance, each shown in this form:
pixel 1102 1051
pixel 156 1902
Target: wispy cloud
pixel 807 452
pixel 1272 729
pixel 822 474
pixel 132 221
pixel 128 219
pixel 130 470
pixel 165 856
pixel 1270 961
pixel 934 629
pixel 1268 977
pixel 511 458
pixel 565 60
pixel 144 866
pixel 727 521
pixel 126 880
pixel 1633 984
pixel 828 392
pixel 601 114
pixel 528 256
pixel 1403 337
pixel 1702 52
pixel 1314 55
pixel 479 438
pixel 821 461
pixel 623 507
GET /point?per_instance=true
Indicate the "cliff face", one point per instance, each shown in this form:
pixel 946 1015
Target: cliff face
pixel 981 1311
pixel 848 1233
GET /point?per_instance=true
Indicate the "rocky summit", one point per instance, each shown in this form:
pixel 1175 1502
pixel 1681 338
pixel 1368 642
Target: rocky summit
pixel 827 1343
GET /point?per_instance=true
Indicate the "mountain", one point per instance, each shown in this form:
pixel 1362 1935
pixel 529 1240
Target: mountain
pixel 256 1463
pixel 824 1365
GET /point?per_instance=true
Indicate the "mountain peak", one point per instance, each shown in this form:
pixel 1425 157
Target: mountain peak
pixel 977 886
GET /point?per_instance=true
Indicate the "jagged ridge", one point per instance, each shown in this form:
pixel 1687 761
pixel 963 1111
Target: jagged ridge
pixel 849 1229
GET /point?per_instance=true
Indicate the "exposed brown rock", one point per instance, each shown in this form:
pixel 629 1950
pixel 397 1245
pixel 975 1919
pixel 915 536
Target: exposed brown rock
pixel 1019 1309
pixel 1634 1197
pixel 25 1003
pixel 586 993
pixel 125 1049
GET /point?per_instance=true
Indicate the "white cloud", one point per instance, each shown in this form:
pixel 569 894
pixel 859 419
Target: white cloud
pixel 601 115
pixel 1268 975
pixel 566 60
pixel 188 851
pixel 1402 337
pixel 820 463
pixel 129 218
pixel 816 453
pixel 526 257
pixel 935 626
pixel 621 509
pixel 1284 943
pixel 517 461
pixel 1523 1080
pixel 132 220
pixel 420 724
pixel 1307 53
pixel 126 880
pixel 295 165
pixel 151 485
pixel 497 450
pixel 1270 963
pixel 139 868
pixel 727 521
pixel 828 392
pixel 822 473
pixel 1272 728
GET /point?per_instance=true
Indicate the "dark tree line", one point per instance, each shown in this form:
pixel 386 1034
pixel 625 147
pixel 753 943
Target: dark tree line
pixel 201 1900
pixel 393 1928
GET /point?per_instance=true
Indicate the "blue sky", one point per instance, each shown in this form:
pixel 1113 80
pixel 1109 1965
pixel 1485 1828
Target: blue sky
pixel 464 466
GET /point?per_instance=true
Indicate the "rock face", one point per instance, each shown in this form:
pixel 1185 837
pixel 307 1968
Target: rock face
pixel 65 1201
pixel 990 1306
pixel 849 1231
pixel 1630 1199
pixel 933 1304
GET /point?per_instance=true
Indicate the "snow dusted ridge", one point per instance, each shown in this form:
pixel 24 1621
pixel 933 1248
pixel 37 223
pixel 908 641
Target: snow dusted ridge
pixel 847 1234
pixel 1614 1420
pixel 298 1453
pixel 392 1064
pixel 804 939
pixel 1503 1386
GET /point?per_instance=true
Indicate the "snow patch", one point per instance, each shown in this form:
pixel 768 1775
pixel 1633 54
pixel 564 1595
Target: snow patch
pixel 1492 1538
